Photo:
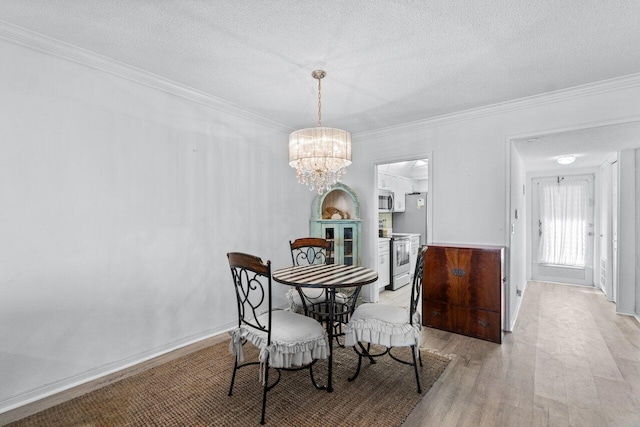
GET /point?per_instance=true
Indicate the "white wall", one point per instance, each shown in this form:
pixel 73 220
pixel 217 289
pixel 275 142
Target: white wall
pixel 627 234
pixel 637 261
pixel 118 204
pixel 470 163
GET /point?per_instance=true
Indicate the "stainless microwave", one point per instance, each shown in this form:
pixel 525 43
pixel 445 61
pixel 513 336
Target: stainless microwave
pixel 385 201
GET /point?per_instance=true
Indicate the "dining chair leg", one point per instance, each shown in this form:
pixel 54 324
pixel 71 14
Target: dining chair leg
pixel 415 367
pixel 420 357
pixel 338 330
pixel 359 365
pixel 233 377
pixel 264 392
pixel 367 352
pixel 313 380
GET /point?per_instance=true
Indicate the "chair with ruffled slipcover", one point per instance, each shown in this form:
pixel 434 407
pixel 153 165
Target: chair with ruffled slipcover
pixel 286 340
pixel 389 326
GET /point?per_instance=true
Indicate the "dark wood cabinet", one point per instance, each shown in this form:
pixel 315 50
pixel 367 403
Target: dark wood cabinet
pixel 462 290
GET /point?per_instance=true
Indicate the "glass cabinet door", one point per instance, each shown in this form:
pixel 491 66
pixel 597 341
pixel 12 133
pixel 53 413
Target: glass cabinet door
pixel 330 235
pixel 344 243
pixel 347 245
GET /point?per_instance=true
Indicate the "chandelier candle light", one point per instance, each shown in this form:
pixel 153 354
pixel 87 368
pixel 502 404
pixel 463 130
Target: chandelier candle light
pixel 321 154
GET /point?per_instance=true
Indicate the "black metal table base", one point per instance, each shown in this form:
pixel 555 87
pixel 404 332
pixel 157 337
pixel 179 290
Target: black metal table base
pixel 334 315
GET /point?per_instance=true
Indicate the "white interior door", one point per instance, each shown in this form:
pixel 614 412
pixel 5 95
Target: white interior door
pixel 563 229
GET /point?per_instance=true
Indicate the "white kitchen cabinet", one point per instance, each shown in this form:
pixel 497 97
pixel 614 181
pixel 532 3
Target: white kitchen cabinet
pixel 407 185
pixel 384 181
pixel 384 266
pixel 393 182
pixel 398 202
pixel 403 186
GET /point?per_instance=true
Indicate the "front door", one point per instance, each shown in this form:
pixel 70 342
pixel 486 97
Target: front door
pixel 563 229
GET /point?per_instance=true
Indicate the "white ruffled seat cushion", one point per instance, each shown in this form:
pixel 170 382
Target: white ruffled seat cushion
pixel 314 294
pixel 296 340
pixel 382 324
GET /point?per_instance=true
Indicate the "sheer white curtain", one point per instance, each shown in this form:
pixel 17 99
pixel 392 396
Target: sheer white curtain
pixel 564 222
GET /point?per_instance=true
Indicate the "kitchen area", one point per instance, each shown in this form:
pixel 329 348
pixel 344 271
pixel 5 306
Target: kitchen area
pixel 402 220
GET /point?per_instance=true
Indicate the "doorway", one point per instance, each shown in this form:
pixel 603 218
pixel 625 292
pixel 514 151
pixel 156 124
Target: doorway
pixel 563 229
pixel 404 211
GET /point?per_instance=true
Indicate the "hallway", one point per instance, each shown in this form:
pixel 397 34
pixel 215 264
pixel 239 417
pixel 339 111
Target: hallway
pixel 570 361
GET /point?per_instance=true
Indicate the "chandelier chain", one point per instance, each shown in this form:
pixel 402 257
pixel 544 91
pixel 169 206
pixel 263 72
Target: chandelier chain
pixel 319 102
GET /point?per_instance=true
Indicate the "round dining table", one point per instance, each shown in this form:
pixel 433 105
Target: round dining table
pixel 331 277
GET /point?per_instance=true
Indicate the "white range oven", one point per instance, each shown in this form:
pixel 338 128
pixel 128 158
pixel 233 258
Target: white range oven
pixel 400 262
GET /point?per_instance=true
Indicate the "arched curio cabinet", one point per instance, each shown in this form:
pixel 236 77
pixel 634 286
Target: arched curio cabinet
pixel 335 216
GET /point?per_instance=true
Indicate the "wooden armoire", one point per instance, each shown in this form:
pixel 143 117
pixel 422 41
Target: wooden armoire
pixel 463 290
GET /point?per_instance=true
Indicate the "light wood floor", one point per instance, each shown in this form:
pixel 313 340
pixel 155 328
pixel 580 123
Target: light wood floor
pixel 570 361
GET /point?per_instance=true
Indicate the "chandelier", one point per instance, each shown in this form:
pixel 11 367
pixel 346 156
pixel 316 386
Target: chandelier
pixel 321 154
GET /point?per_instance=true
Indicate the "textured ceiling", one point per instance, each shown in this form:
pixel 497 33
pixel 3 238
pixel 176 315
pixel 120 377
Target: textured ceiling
pixel 387 62
pixel 591 147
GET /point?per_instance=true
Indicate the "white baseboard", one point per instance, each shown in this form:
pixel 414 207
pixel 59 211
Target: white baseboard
pixel 97 373
pixel 630 314
pixel 512 324
pixel 634 315
pixel 515 315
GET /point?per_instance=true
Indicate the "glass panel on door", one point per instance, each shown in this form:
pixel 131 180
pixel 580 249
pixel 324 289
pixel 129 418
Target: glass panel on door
pixel 329 235
pixel 348 233
pixel 347 240
pixel 348 252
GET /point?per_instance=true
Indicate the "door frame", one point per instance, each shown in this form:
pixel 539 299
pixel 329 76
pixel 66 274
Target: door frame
pixel 608 227
pixel 614 219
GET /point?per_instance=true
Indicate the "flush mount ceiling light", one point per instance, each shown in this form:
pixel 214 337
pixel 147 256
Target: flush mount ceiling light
pixel 321 154
pixel 566 160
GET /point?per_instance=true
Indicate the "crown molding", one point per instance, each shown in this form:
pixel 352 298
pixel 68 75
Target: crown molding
pixel 41 43
pixel 581 91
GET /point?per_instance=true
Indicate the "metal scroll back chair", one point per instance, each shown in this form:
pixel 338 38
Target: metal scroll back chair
pixel 389 326
pixel 313 302
pixel 307 251
pixel 286 340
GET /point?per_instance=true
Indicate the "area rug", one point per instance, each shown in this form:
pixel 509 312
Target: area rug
pixel 192 391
